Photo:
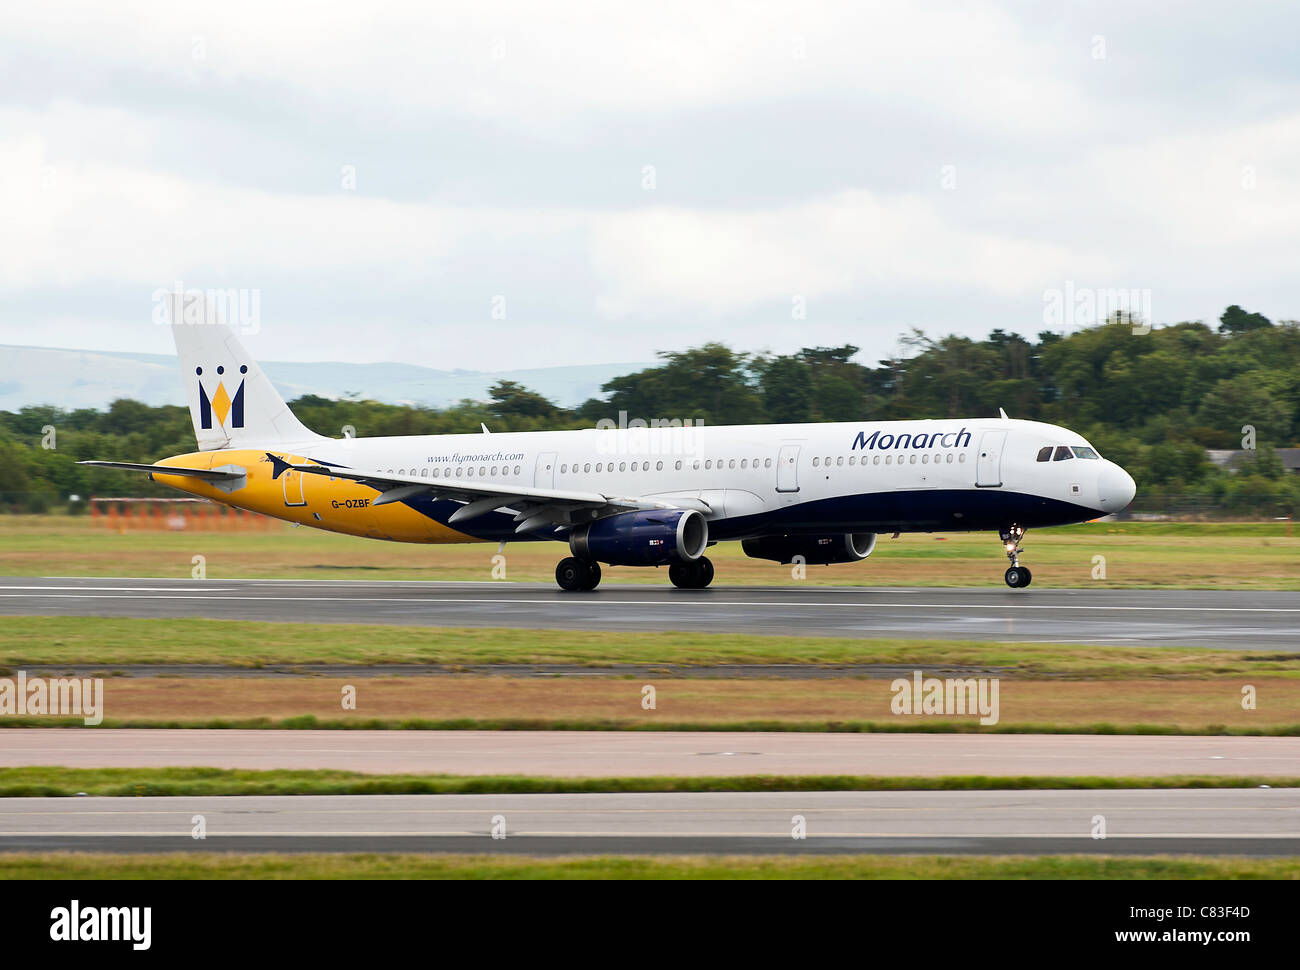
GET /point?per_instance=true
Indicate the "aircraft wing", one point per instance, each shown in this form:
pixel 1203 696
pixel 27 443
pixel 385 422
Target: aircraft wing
pixel 536 509
pixel 207 474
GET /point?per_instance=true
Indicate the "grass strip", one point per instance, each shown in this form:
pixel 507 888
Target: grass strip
pixel 58 782
pixel 103 642
pixel 310 722
pixel 214 865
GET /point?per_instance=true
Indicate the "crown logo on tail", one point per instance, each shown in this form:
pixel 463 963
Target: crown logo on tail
pixel 221 403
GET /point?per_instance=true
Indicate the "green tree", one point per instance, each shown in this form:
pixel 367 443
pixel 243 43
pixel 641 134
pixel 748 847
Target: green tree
pixel 1235 320
pixel 788 390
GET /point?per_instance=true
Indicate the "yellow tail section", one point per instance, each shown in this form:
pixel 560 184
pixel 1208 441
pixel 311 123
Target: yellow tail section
pixel 335 505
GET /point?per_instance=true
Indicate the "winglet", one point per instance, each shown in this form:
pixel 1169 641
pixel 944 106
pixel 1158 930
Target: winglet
pixel 1003 415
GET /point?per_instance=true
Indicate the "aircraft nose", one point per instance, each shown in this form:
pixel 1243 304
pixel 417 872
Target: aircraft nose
pixel 1115 488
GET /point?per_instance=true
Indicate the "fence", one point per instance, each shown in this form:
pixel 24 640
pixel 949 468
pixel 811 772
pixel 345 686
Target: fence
pixel 175 514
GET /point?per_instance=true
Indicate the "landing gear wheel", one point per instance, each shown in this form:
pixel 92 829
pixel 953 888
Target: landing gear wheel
pixel 574 574
pixel 691 575
pixel 1018 577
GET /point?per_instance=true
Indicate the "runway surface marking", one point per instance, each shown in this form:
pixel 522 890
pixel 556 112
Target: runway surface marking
pixel 275 598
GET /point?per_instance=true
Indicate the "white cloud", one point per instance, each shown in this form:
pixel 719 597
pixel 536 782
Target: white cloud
pixel 512 61
pixel 666 260
pixel 127 162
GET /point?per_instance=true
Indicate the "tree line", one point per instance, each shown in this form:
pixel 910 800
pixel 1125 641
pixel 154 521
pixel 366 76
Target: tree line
pixel 1153 400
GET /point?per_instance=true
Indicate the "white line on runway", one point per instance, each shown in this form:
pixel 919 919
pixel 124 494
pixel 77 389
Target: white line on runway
pixel 120 589
pixel 472 834
pixel 569 602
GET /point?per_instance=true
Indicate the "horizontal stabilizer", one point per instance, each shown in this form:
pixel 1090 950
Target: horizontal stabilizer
pixel 206 474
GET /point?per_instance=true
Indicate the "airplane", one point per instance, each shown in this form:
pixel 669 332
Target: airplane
pixel 815 494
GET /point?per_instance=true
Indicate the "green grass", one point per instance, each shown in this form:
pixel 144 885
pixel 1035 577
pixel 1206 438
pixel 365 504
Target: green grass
pixel 310 722
pixel 1241 555
pixel 55 782
pixel 213 865
pixel 104 642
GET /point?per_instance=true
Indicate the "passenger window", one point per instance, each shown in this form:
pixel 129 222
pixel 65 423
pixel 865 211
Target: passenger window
pixel 622 466
pixel 1045 454
pixel 840 461
pixel 817 463
pixel 1063 454
pixel 659 466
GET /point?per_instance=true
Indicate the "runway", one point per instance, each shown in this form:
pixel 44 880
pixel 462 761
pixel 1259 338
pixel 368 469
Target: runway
pixel 1209 618
pixel 1237 822
pixel 604 754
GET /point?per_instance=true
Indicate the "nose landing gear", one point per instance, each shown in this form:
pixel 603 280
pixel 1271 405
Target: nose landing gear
pixel 1017 577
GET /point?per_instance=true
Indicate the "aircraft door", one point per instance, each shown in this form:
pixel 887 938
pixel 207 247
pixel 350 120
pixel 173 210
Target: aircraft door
pixel 988 468
pixel 544 476
pixel 787 469
pixel 293 485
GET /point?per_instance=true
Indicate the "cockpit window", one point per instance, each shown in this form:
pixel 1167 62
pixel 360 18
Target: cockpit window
pixel 1062 454
pixel 1085 453
pixel 1045 454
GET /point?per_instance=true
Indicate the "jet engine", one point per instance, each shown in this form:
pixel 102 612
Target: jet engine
pixel 648 538
pixel 814 550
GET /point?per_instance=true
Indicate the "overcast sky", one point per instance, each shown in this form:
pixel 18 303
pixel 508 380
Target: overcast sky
pixel 502 185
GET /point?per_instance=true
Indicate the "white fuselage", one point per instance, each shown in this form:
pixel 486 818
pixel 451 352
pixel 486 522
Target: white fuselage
pixel 925 475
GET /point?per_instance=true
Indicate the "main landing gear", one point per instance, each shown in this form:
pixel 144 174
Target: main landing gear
pixel 1017 577
pixel 583 575
pixel 691 575
pixel 577 574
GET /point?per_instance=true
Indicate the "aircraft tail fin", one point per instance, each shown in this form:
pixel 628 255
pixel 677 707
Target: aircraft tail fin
pixel 232 402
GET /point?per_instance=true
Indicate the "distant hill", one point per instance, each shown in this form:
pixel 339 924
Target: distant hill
pixel 92 378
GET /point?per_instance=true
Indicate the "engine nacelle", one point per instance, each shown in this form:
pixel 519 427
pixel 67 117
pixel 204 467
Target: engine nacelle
pixel 650 538
pixel 814 550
